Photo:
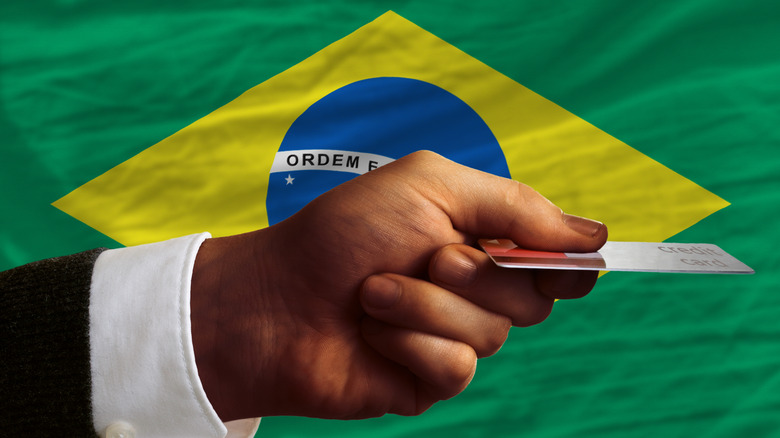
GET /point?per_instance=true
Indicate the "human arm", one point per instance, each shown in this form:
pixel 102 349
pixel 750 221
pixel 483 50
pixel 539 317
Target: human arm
pixel 282 319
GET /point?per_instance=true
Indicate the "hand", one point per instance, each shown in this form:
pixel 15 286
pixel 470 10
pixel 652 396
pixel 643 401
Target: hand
pixel 370 299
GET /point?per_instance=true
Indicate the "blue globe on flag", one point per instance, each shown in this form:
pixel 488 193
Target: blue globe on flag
pixel 367 124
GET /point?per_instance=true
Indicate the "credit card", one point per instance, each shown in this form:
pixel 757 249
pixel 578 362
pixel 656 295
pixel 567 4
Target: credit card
pixel 621 256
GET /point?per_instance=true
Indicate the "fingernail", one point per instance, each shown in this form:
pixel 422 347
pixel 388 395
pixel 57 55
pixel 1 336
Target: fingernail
pixel 455 268
pixel 380 292
pixel 582 225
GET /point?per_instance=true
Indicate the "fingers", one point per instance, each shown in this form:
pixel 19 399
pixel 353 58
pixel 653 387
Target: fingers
pixel 565 284
pixel 421 306
pixel 436 330
pixel 485 205
pixel 443 367
pixel 526 296
pixel 435 334
pixel 510 292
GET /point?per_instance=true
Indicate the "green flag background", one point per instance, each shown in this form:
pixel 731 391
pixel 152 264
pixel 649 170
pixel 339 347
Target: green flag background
pixel 693 84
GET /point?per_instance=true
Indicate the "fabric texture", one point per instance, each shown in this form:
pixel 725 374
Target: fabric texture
pixel 44 347
pixel 103 337
pixel 142 357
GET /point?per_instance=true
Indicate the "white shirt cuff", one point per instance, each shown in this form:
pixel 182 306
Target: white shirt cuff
pixel 144 374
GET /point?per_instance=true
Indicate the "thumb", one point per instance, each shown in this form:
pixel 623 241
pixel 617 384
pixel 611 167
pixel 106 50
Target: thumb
pixel 487 206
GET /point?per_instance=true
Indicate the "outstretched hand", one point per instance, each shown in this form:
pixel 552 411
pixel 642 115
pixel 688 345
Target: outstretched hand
pixel 370 300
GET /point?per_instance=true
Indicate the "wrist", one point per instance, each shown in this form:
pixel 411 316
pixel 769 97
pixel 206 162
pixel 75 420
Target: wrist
pixel 219 329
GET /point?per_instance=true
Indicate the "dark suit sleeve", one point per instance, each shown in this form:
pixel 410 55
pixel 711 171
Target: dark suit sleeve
pixel 44 348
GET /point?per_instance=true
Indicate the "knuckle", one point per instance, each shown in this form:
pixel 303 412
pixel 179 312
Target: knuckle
pixel 457 368
pixel 424 155
pixel 496 338
pixel 425 159
pixel 516 199
pixel 574 293
pixel 533 314
pixel 422 406
pixel 518 194
pixel 566 284
pixel 461 369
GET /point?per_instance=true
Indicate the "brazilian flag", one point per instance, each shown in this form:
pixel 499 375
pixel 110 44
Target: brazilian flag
pixel 131 122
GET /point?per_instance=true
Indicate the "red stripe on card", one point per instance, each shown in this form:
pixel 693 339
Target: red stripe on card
pixel 519 252
pixel 507 248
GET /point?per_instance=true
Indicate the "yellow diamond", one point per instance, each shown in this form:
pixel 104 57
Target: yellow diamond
pixel 213 174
